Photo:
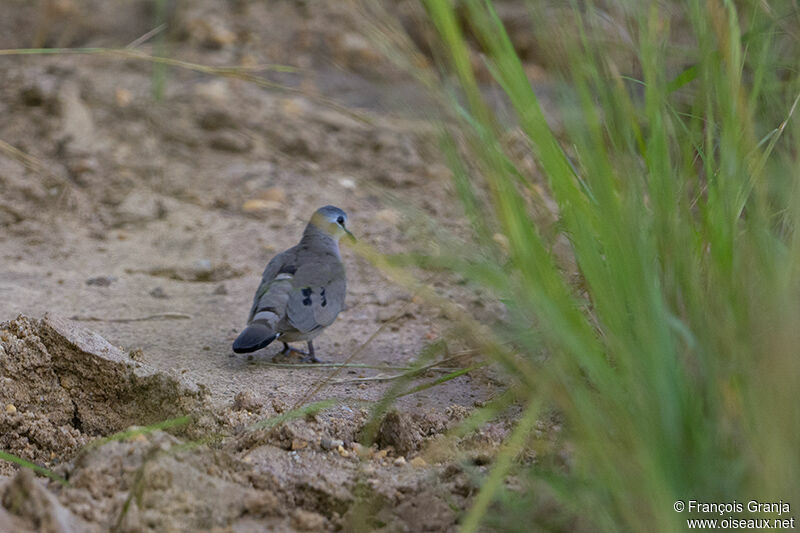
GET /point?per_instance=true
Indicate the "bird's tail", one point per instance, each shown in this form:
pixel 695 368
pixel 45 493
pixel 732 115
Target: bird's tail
pixel 254 337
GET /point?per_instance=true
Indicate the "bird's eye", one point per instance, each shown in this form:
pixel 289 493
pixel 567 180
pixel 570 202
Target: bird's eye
pixel 340 220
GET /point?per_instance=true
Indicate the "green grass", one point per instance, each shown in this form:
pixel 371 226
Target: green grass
pixel 671 349
pixel 11 458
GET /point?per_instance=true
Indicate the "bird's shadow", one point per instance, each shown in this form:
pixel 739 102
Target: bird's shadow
pixel 270 355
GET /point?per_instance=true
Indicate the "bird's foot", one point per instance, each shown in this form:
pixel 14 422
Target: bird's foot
pixel 310 358
pixel 307 357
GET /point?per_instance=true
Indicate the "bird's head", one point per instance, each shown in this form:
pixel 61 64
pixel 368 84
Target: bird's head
pixel 332 221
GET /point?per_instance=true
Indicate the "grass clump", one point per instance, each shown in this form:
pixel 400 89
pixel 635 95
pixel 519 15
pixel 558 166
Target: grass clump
pixel 666 335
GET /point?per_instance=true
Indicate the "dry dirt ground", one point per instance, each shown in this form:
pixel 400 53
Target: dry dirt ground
pixel 132 235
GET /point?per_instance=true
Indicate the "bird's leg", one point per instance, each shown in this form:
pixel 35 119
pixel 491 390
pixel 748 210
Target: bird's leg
pixel 288 349
pixel 309 355
pixel 310 358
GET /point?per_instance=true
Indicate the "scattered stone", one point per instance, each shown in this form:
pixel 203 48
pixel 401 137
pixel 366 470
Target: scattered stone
pixel 137 354
pixel 202 266
pixel 32 95
pixel 255 205
pixel 360 450
pixel 272 194
pixel 399 431
pixel 356 52
pixel 217 91
pixel 210 31
pixel 382 453
pixel 347 183
pixel 279 406
pixel 400 461
pixel 216 119
pixel 220 290
pixel 77 127
pixel 230 141
pixel 342 451
pixel 101 281
pixel 418 462
pixel 299 444
pixel 82 165
pixel 246 401
pixel 263 502
pixel 330 444
pixel 384 297
pixel 123 97
pixel 202 271
pixel 11 409
pixel 298 146
pixel 308 520
pixel 385 314
pixel 159 293
pixel 140 206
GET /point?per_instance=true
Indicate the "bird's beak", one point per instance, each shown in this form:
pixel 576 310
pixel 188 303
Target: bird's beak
pixel 352 237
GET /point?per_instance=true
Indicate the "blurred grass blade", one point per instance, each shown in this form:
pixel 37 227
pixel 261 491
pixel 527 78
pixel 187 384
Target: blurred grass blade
pixel 133 432
pixel 11 458
pixel 503 462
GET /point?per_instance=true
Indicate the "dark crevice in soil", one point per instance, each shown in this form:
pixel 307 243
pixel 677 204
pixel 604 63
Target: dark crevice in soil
pixel 76 417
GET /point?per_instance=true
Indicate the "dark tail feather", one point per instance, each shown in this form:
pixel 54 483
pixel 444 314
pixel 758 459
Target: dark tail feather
pixel 254 337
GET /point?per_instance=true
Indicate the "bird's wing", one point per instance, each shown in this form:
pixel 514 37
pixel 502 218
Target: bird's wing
pixel 276 284
pixel 317 295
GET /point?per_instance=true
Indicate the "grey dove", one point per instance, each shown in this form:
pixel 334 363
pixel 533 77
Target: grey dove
pixel 302 289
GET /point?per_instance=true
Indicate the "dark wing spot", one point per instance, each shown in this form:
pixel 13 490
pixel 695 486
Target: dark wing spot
pixel 307 293
pixel 322 294
pixel 288 269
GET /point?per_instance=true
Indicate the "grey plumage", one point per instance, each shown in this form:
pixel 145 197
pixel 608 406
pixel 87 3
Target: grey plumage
pixel 302 289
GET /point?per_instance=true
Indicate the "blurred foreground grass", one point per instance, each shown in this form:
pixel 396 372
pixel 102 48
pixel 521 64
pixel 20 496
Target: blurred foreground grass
pixel 648 262
pixel 670 344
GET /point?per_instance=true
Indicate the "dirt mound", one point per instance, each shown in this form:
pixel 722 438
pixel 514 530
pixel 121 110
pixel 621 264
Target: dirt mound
pixel 63 385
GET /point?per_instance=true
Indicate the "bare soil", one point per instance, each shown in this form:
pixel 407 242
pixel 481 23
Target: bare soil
pixel 132 235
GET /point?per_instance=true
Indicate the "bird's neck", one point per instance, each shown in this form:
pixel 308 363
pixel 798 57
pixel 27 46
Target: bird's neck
pixel 316 238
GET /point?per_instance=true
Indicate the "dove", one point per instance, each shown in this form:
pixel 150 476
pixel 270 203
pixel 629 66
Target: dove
pixel 302 289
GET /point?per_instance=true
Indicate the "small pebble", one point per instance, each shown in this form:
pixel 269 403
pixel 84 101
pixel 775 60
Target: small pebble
pixel 246 401
pixel 343 452
pixel 11 409
pixel 330 444
pixel 159 293
pixel 101 281
pixel 418 461
pixel 221 289
pixel 400 461
pixel 347 183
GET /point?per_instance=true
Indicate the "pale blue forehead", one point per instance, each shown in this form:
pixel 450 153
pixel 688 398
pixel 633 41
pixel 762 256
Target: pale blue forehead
pixel 331 212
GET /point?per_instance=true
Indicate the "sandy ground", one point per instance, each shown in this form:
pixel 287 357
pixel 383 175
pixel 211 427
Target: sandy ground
pixel 132 236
